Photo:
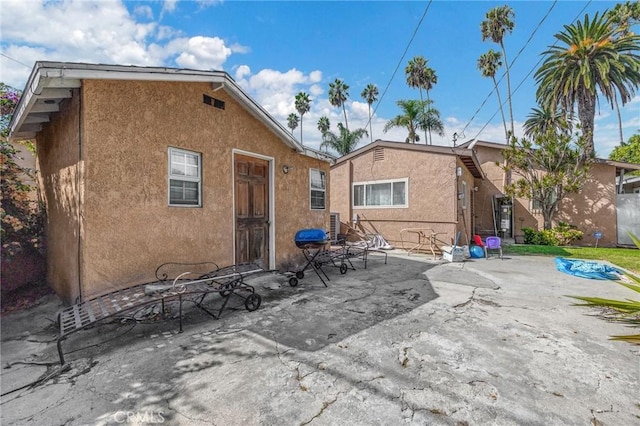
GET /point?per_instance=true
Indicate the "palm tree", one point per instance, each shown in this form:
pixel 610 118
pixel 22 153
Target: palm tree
pixel 499 21
pixel 622 17
pixel 338 95
pixel 420 76
pixel 591 59
pixel 488 64
pixel 303 105
pixel 370 94
pixel 412 118
pixel 432 121
pixel 345 142
pixel 542 120
pixel 292 122
pixel 324 125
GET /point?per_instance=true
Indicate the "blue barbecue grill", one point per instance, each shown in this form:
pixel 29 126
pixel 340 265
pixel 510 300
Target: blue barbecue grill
pixel 313 242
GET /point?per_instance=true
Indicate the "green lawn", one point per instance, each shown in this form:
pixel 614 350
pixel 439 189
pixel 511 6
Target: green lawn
pixel 625 258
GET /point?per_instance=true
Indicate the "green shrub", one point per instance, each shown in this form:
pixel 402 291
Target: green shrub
pixel 562 235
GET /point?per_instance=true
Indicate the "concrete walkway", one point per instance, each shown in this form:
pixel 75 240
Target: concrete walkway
pixel 411 342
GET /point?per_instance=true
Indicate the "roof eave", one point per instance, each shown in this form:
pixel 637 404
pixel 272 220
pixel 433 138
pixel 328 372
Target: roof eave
pixel 48 76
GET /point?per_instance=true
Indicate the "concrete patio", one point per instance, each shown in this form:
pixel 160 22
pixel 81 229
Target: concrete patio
pixel 414 341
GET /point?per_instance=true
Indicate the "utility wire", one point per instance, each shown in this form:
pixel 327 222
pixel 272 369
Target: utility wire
pixel 415 32
pixel 504 74
pixel 14 60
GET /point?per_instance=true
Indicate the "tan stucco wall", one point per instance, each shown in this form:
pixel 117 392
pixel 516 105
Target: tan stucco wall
pixel 129 227
pixel 60 182
pixel 593 208
pixel 432 192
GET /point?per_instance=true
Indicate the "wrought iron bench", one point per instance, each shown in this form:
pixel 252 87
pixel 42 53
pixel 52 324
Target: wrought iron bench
pixel 226 281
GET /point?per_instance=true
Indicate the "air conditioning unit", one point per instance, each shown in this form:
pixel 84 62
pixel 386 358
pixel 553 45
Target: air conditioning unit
pixel 334 226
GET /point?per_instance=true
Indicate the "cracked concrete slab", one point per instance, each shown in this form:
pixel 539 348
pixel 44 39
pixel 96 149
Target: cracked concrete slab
pixel 411 342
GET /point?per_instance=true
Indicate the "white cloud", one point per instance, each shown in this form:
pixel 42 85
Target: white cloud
pixel 242 71
pixel 169 6
pixel 203 53
pixel 238 48
pixel 143 11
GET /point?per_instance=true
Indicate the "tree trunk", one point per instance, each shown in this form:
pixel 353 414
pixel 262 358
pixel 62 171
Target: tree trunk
pixel 506 65
pixel 504 122
pixel 547 215
pixel 586 114
pixel 615 99
pixel 344 110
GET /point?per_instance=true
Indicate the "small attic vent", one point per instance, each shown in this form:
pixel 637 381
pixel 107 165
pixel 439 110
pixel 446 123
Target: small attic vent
pixel 216 103
pixel 378 154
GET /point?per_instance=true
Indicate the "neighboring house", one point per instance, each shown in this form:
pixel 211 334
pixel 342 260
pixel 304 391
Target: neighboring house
pixel 597 210
pixel 630 184
pixel 391 186
pixel 139 166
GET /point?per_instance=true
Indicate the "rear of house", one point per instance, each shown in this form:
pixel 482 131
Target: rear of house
pixel 140 166
pixel 391 186
pixel 596 209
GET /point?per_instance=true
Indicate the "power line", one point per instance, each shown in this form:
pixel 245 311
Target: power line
pixel 14 60
pixel 415 32
pixel 504 74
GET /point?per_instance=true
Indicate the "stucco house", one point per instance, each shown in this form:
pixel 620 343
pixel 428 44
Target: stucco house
pixel 599 209
pixel 144 165
pixel 395 186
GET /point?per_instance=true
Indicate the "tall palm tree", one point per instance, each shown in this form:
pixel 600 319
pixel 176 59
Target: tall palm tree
pixel 499 21
pixel 412 118
pixel 338 95
pixel 324 125
pixel 544 119
pixel 292 122
pixel 370 94
pixel 345 142
pixel 589 59
pixel 303 105
pixel 488 64
pixel 420 76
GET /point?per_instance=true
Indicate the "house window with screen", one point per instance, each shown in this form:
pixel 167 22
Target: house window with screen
pixel 318 189
pixel 185 176
pixel 387 193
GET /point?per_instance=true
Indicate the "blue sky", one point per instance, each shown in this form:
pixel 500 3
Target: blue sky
pixel 275 49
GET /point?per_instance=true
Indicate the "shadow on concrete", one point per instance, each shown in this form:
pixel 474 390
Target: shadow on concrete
pixel 314 316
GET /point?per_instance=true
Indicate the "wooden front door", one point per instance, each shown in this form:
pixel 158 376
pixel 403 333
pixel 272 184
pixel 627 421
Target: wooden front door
pixel 252 210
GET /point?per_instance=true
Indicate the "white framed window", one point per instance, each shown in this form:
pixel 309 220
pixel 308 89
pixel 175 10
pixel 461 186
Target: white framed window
pixel 317 189
pixel 185 178
pixel 381 193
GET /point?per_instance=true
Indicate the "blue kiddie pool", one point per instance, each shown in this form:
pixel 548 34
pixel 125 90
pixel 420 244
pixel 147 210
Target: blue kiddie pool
pixel 476 252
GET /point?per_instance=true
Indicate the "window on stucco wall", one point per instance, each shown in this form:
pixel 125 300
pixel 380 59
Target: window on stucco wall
pixel 387 193
pixel 185 178
pixel 317 189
